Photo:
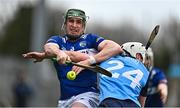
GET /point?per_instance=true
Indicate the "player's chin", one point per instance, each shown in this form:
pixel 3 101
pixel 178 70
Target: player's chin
pixel 76 34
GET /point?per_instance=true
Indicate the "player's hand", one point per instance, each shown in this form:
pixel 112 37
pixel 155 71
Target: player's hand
pixel 163 91
pixel 38 56
pixel 79 69
pixel 62 58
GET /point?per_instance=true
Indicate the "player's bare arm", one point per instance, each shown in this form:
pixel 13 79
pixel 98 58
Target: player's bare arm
pixel 107 49
pixel 162 87
pixel 40 56
pixel 52 50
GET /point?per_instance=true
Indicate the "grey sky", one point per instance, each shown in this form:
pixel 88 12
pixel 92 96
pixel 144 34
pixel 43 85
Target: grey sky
pixel 110 12
pixel 143 13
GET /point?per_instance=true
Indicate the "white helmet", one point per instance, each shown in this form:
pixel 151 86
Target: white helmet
pixel 133 48
pixel 150 57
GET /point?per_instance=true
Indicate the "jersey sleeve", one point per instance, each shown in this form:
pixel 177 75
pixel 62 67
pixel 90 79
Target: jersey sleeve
pixel 95 40
pixel 55 39
pixel 161 76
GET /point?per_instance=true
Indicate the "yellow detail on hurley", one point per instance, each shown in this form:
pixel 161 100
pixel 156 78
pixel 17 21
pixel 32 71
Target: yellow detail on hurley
pixel 71 75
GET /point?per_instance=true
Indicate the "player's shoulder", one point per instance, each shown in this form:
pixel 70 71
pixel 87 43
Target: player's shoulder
pixel 55 38
pixel 91 35
pixel 129 60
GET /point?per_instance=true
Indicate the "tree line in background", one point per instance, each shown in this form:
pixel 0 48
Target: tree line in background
pixel 16 35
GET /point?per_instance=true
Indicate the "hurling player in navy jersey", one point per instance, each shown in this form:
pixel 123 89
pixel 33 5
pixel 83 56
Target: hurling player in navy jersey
pixel 81 92
pixel 157 85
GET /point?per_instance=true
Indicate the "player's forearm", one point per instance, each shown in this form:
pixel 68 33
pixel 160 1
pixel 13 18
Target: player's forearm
pixel 107 49
pixel 51 50
pixel 77 56
pixel 163 89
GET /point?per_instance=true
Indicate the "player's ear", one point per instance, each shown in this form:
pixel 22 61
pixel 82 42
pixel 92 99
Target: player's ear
pixel 139 57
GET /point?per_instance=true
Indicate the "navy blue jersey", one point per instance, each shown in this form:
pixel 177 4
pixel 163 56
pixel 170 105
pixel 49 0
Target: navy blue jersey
pixel 153 99
pixel 129 76
pixel 86 80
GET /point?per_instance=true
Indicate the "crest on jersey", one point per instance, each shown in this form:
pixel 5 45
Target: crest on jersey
pixel 82 44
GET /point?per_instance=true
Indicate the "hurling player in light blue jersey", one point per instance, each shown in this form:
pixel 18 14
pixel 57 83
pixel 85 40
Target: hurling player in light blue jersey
pixel 81 92
pixel 127 87
pixel 157 85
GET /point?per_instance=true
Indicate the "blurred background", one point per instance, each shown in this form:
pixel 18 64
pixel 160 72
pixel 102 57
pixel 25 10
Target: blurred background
pixel 25 25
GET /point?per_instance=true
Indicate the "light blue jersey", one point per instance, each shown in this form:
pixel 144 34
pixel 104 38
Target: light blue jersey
pixel 129 76
pixel 86 81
